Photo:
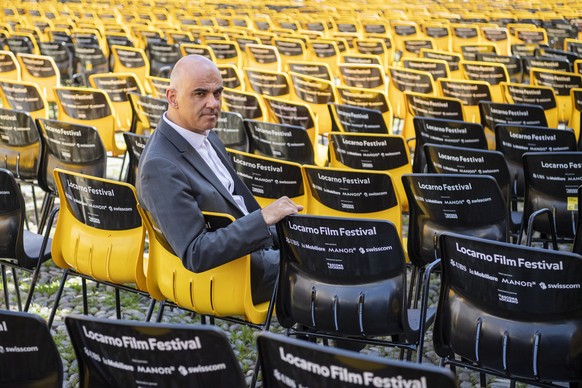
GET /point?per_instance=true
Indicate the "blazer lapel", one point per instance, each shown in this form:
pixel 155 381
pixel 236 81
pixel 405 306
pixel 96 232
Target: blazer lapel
pixel 193 157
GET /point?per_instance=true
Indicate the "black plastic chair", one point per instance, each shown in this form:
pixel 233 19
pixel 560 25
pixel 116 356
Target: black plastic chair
pixel 232 132
pixel 493 113
pixel 443 159
pixel 73 147
pixel 515 140
pixel 29 356
pixel 19 248
pixel 345 279
pixel 446 132
pixel 135 145
pixel 466 204
pixel 120 354
pixel 283 141
pixel 551 189
pixel 510 311
pixel 339 367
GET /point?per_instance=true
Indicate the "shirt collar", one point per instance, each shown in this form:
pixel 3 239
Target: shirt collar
pixel 193 138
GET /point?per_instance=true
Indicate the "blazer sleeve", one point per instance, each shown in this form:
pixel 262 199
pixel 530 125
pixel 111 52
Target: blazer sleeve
pixel 171 197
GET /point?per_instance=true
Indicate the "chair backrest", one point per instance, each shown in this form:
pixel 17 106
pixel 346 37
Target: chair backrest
pixel 332 191
pixel 562 82
pixel 269 179
pixel 446 132
pixel 117 85
pixel 99 231
pixel 221 291
pixel 493 113
pixel 9 66
pixel 363 76
pixel 492 72
pixel 445 159
pixel 311 69
pixel 367 99
pixel 469 92
pixel 268 82
pixel 88 106
pixel 317 93
pixel 513 64
pixel 157 86
pixel 163 56
pixel 63 55
pixel 437 67
pixel 72 147
pixel 461 203
pixel 12 219
pixel 135 145
pixel 350 118
pixel 19 144
pixel 231 76
pixel 282 141
pixel 403 80
pixel 24 96
pixel 424 105
pixel 42 70
pixel 168 354
pixel 551 181
pixel 231 130
pixel 515 140
pixel 340 274
pixel 130 60
pixel 494 294
pixel 146 112
pixel 276 352
pixel 30 357
pixel 452 59
pixel 248 104
pixel 544 96
pixel 263 56
pixel 365 151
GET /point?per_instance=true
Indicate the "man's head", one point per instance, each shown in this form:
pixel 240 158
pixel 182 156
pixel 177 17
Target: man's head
pixel 195 94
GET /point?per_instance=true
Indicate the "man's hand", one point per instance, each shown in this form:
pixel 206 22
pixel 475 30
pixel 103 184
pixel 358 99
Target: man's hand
pixel 279 209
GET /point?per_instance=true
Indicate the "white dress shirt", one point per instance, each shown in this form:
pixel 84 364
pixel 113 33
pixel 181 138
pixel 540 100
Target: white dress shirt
pixel 201 144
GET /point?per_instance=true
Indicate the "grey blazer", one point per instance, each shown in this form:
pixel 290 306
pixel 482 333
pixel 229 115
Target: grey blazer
pixel 175 185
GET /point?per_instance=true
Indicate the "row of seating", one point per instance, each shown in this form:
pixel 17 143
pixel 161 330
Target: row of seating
pixel 338 275
pixel 116 353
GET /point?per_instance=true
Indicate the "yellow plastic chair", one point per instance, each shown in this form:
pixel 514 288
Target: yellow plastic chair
pixel 498 36
pixel 24 96
pixel 89 106
pixel 494 73
pixel 263 56
pixel 327 51
pixel 117 85
pixel 440 33
pixel 269 178
pixel 411 47
pixel 157 86
pixel 452 59
pixel 561 82
pixel 317 93
pixel 375 152
pixel 311 69
pixel 469 92
pixel 232 77
pixel 516 93
pixel 375 46
pixel 42 70
pixel 99 234
pixel 9 66
pixel 369 99
pixel 224 291
pixel 363 76
pixel 146 112
pixel 403 80
pixel 188 48
pixel 576 118
pixel 131 60
pixel 290 49
pixel 464 33
pixel 268 82
pixel 354 193
pixel 437 67
pixel 249 104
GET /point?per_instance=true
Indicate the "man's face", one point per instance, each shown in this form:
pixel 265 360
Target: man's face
pixel 198 99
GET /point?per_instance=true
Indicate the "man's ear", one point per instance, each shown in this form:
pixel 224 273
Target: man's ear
pixel 171 97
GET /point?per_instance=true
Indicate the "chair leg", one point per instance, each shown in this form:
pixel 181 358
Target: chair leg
pixel 161 312
pixel 150 310
pixel 483 380
pixel 17 289
pixel 58 298
pixel 117 304
pixel 85 303
pixel 5 286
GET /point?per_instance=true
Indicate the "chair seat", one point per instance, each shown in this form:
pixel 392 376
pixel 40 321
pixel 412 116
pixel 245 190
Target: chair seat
pixel 414 318
pixel 32 245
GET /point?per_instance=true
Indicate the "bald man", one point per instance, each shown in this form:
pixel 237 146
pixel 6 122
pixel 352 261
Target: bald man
pixel 184 170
